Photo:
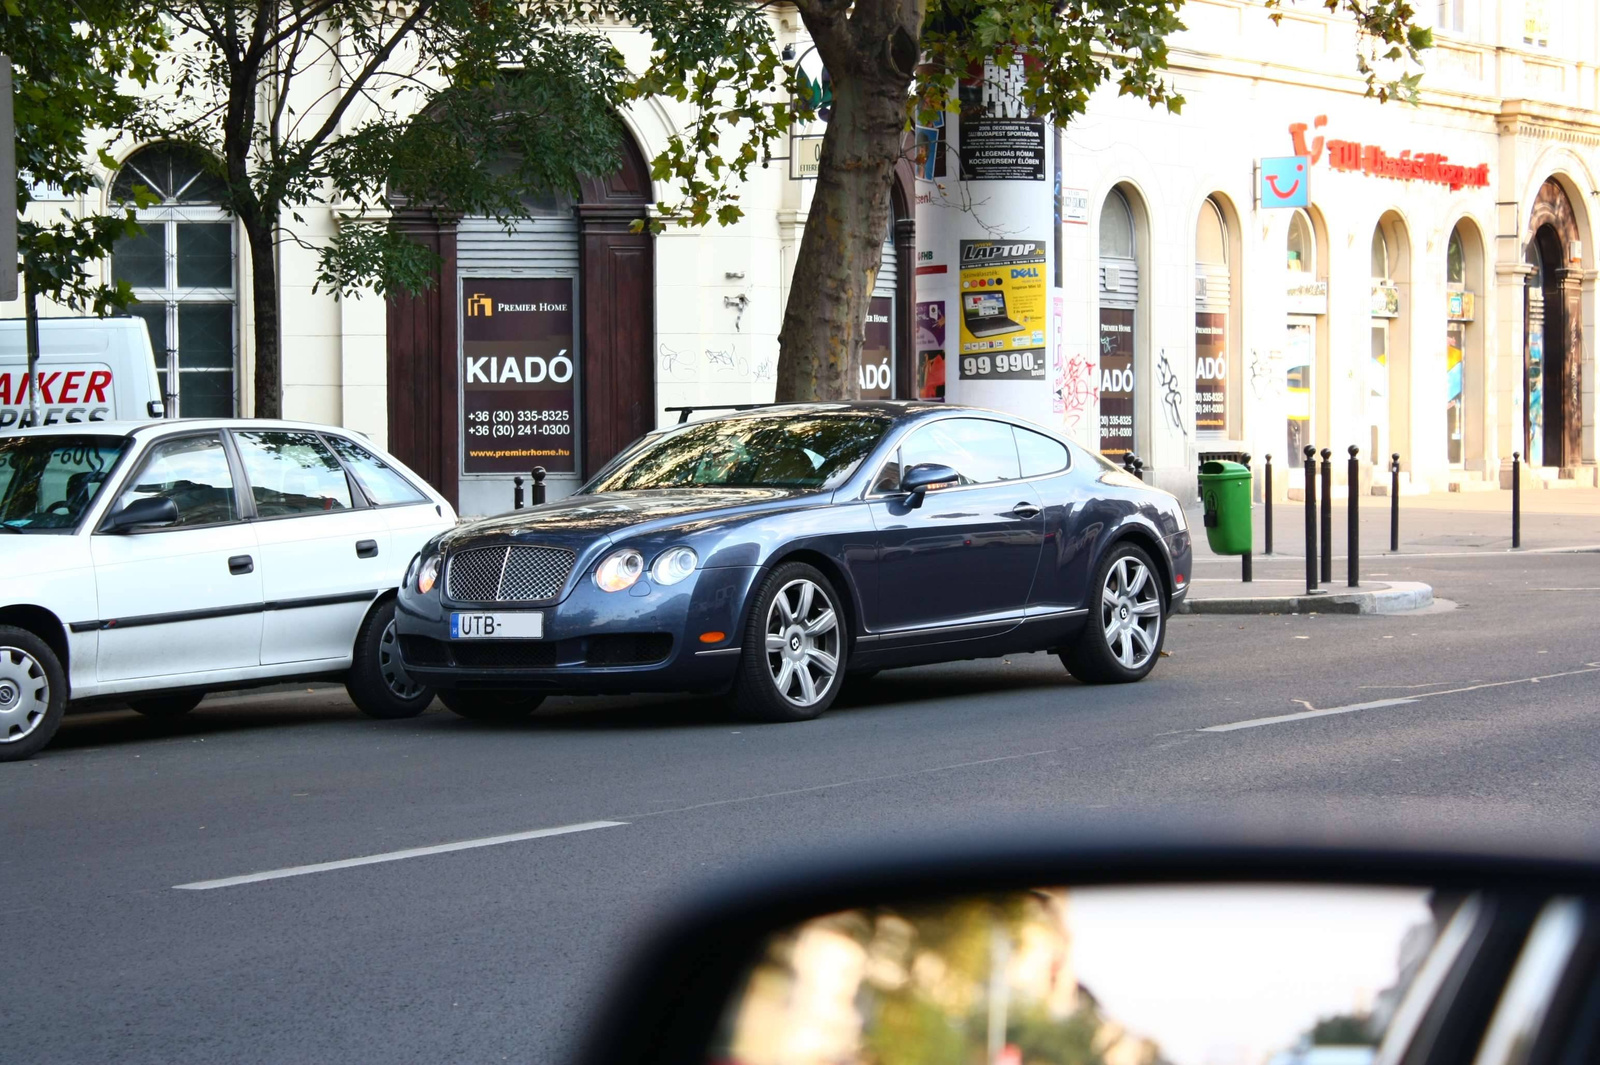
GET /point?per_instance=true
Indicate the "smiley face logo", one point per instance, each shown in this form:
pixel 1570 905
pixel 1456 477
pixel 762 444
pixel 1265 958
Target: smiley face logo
pixel 1286 182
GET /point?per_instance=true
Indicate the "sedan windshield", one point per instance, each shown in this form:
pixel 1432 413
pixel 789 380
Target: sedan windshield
pixel 47 482
pixel 769 450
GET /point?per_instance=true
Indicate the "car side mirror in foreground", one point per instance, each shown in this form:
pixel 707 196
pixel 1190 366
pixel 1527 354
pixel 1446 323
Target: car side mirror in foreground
pixel 1001 953
pixel 925 475
pixel 142 512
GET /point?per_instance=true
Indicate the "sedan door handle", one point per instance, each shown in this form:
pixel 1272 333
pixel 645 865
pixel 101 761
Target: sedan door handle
pixel 1025 510
pixel 239 565
pixel 366 549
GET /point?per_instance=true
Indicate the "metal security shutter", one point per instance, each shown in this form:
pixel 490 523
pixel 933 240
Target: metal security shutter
pixel 1213 287
pixel 1119 281
pixel 534 246
pixel 888 278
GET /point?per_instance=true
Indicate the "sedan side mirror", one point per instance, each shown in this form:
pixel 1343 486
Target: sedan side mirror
pixel 916 481
pixel 156 510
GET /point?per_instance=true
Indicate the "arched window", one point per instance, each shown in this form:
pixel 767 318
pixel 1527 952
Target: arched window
pixel 1116 227
pixel 1211 241
pixel 1380 255
pixel 1302 245
pixel 1213 346
pixel 183 270
pixel 1456 259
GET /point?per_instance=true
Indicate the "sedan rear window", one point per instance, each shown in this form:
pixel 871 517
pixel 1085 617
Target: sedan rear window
pixel 47 482
pixel 769 450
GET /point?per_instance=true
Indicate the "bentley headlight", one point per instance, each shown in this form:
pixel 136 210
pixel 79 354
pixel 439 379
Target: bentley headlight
pixel 428 576
pixel 619 571
pixel 674 565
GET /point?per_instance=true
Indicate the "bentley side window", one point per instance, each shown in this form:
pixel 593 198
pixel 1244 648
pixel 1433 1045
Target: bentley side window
pixel 888 479
pixel 1040 455
pixel 980 451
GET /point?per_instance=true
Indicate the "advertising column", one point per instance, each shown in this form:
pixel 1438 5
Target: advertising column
pixel 987 262
pixel 518 381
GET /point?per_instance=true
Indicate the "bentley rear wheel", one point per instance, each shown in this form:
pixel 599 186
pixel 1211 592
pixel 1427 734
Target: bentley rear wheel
pixel 1122 638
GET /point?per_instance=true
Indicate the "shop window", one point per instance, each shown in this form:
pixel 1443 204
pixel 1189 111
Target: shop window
pixel 1460 311
pixel 183 270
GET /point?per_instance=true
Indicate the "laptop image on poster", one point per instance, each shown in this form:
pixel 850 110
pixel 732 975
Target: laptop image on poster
pixel 985 314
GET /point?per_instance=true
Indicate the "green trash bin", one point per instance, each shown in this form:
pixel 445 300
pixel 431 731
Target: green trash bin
pixel 1225 495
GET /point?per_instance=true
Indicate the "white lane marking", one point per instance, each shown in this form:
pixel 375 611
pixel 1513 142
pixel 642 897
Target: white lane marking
pixel 1311 711
pixel 395 856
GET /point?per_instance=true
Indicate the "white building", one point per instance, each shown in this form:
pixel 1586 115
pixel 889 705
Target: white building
pixel 1447 315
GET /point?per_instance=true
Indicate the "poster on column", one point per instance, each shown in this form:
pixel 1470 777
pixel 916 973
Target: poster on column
pixel 1211 373
pixel 518 374
pixel 875 375
pixel 930 349
pixel 1003 310
pixel 1116 380
pixel 1000 140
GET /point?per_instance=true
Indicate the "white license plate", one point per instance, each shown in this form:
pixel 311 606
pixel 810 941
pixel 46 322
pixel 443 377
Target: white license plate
pixel 526 625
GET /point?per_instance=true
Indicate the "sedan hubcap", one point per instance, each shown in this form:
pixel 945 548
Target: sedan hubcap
pixel 392 669
pixel 802 642
pixel 1131 612
pixel 24 694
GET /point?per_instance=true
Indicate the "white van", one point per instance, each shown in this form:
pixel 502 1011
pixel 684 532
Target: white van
pixel 90 370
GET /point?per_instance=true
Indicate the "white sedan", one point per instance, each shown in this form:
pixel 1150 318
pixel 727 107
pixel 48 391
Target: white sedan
pixel 150 563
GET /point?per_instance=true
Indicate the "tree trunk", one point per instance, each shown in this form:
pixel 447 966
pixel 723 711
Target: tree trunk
pixel 824 324
pixel 264 303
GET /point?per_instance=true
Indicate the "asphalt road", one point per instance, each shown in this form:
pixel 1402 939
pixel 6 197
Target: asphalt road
pixel 498 952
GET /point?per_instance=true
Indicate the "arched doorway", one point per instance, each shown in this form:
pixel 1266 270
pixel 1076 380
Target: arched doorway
pixel 1464 378
pixel 1216 335
pixel 1121 332
pixel 1553 333
pixel 1387 396
pixel 1305 338
pixel 584 255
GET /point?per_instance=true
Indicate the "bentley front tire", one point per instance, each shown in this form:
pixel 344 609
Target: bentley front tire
pixel 795 643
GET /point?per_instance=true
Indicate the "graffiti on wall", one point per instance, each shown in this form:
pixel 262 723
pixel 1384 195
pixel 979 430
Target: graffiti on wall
pixel 1171 397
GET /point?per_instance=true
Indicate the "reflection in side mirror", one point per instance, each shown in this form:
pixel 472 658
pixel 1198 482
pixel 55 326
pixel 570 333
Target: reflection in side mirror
pixel 1188 975
pixel 143 512
pixel 923 476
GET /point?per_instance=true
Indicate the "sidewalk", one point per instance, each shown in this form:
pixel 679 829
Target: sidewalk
pixel 1435 526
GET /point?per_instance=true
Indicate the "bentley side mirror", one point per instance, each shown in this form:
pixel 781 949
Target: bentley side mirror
pixel 916 481
pixel 156 510
pixel 1014 950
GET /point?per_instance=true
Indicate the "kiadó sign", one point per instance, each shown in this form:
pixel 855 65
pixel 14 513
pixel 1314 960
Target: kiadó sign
pixel 1355 157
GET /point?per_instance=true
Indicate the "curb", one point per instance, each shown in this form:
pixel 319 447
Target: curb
pixel 1400 597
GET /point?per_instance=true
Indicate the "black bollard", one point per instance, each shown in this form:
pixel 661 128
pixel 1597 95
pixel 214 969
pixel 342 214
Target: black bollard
pixel 1245 559
pixel 1311 519
pixel 1138 467
pixel 1266 497
pixel 516 493
pixel 538 485
pixel 1327 516
pixel 1394 502
pixel 1353 534
pixel 1516 499
pixel 1128 461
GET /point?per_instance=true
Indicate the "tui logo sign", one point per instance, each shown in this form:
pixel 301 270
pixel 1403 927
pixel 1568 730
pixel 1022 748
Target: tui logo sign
pixel 1286 181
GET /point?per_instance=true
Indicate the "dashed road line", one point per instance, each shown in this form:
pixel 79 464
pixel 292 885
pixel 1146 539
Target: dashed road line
pixel 395 856
pixel 1311 711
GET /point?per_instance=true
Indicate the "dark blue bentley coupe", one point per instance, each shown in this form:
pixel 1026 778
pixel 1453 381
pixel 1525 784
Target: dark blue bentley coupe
pixel 773 553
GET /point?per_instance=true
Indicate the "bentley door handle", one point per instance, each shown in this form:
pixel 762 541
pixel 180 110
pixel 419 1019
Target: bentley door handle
pixel 239 565
pixel 1025 510
pixel 366 549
